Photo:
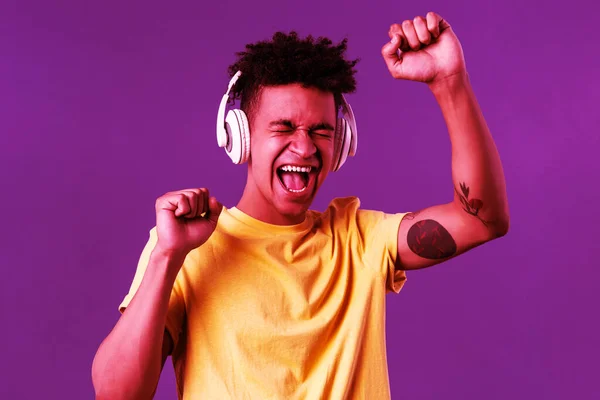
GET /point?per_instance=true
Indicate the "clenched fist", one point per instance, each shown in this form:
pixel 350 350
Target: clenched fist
pixel 429 50
pixel 185 219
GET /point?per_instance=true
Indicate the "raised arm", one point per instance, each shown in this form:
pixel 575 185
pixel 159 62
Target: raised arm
pixel 478 213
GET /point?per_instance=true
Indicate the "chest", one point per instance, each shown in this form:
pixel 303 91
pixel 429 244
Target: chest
pixel 253 284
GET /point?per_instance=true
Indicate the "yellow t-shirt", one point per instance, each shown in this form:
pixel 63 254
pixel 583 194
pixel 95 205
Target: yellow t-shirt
pixel 285 312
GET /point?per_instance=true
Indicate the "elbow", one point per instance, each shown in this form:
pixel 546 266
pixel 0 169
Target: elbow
pixel 101 387
pixel 502 226
pixel 105 391
pixel 105 386
pixel 97 376
pixel 109 385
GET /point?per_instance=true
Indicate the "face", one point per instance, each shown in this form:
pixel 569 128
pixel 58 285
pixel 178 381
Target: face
pixel 291 151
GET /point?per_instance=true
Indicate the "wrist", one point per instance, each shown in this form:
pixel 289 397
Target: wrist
pixel 450 84
pixel 169 261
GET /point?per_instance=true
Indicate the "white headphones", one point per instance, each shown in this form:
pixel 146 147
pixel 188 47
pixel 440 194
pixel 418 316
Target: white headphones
pixel 233 132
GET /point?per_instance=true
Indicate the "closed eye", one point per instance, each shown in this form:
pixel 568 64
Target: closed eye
pixel 322 129
pixel 323 132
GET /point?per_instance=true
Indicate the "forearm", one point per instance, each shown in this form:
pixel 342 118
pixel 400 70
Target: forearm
pixel 478 177
pixel 129 361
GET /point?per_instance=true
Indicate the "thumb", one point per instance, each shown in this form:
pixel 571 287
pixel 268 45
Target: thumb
pixel 390 52
pixel 214 209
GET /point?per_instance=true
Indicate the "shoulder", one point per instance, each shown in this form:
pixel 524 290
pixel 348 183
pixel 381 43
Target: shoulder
pixel 349 209
pixel 341 207
pixel 338 210
pixel 345 214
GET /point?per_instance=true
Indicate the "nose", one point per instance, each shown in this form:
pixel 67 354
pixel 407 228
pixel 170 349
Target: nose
pixel 302 144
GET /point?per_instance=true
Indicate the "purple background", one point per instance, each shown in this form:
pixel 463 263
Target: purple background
pixel 105 106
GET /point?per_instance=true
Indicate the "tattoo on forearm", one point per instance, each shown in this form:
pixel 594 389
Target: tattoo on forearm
pixel 431 240
pixel 471 206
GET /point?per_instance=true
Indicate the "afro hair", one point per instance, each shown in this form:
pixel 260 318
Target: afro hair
pixel 288 59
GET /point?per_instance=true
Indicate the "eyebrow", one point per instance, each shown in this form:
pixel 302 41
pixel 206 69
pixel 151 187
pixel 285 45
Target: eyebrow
pixel 313 127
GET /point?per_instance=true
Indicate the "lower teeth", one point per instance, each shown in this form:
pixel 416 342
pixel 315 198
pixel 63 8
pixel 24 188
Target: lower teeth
pixel 297 190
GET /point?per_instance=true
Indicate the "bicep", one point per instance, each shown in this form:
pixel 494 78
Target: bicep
pixel 436 234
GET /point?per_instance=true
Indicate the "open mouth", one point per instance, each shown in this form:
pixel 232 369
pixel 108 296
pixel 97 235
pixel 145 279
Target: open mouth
pixel 295 179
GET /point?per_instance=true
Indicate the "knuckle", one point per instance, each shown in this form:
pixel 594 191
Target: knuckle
pixel 160 200
pixel 181 199
pixel 407 24
pixel 419 19
pixel 163 196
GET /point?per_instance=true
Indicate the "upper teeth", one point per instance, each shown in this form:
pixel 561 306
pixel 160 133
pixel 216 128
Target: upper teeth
pixel 293 168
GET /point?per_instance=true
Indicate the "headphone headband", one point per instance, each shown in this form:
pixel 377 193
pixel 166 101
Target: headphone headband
pixel 222 138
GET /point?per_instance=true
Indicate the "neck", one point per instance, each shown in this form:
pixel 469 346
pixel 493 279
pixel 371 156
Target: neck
pixel 254 204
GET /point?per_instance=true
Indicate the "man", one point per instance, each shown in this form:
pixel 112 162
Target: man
pixel 269 299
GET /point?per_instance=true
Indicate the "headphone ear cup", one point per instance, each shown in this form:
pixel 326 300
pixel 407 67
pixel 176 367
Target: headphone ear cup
pixel 238 132
pixel 245 135
pixel 346 144
pixel 338 138
pixel 354 138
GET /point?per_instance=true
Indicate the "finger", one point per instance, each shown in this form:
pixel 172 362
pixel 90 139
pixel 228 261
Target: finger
pixel 195 190
pixel 422 32
pixel 214 209
pixel 410 34
pixel 199 199
pixel 192 196
pixel 444 25
pixel 181 203
pixel 397 29
pixel 392 30
pixel 389 51
pixel 163 203
pixel 176 192
pixel 436 24
pixel 202 201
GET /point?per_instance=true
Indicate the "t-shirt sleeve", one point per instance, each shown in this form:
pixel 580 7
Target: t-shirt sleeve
pixel 176 311
pixel 379 237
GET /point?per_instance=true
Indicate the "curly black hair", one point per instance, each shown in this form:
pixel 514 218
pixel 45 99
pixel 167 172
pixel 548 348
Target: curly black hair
pixel 287 59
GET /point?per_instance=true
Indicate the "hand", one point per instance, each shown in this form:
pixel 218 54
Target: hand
pixel 180 223
pixel 429 50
